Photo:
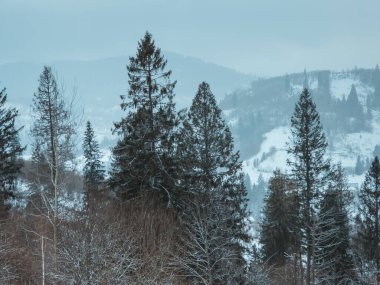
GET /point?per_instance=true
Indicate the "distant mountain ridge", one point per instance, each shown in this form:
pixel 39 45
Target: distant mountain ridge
pixel 99 84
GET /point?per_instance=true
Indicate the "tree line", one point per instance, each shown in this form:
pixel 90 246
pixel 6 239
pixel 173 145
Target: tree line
pixel 172 209
pixel 312 232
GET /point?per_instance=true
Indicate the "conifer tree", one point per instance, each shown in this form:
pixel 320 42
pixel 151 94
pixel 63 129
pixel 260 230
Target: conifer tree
pixel 53 128
pixel 353 106
pixel 333 254
pixel 309 167
pixel 275 235
pixel 370 215
pixel 10 148
pixel 93 170
pixel 143 159
pixel 213 170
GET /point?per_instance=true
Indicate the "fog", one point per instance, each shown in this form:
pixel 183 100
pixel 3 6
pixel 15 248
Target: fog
pixel 258 37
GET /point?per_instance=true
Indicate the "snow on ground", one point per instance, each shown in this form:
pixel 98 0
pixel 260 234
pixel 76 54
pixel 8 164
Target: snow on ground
pixel 347 147
pixel 274 146
pixel 341 87
pixel 344 149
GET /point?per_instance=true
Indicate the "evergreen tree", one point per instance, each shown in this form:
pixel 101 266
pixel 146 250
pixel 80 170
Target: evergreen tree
pixel 334 260
pixel 307 149
pixel 93 170
pixel 143 159
pixel 213 170
pixel 53 128
pixel 275 235
pixel 208 149
pixel 354 108
pixel 10 149
pixel 370 215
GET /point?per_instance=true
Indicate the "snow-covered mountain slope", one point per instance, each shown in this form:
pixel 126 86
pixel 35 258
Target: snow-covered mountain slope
pixel 260 120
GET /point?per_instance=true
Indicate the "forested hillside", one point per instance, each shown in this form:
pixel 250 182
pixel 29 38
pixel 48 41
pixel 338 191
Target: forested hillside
pixel 171 201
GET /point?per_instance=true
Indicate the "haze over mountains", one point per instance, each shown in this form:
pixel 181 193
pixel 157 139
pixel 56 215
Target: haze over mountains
pixel 258 110
pixel 98 85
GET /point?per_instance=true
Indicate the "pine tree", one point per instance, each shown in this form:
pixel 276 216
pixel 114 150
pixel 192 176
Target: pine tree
pixel 10 149
pixel 307 149
pixel 143 159
pixel 370 215
pixel 93 171
pixel 212 167
pixel 333 255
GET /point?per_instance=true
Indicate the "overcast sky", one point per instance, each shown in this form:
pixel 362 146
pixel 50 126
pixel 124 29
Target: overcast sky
pixel 264 37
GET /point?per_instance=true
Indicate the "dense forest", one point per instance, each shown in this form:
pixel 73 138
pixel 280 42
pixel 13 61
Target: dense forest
pixel 173 206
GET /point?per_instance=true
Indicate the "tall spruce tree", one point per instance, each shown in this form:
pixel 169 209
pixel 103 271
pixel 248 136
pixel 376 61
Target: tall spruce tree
pixel 143 159
pixel 370 215
pixel 213 170
pixel 10 149
pixel 93 170
pixel 307 148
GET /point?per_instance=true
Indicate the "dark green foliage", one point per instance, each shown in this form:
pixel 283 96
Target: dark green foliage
pixel 276 227
pixel 207 141
pixel 143 159
pixel 10 148
pixel 334 260
pixel 370 215
pixel 211 161
pixel 212 172
pixel 93 171
pixel 309 167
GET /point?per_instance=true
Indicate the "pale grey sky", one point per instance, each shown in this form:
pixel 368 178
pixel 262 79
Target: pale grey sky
pixel 267 37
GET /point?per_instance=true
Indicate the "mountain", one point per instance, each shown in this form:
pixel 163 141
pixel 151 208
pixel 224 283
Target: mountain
pixel 98 85
pixel 348 103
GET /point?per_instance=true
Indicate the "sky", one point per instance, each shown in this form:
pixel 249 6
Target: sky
pixel 264 38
